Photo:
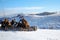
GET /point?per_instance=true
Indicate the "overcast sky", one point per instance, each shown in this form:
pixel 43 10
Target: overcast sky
pixel 28 6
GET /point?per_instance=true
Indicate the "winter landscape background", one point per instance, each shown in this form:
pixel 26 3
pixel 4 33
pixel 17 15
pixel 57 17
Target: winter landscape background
pixel 48 27
pixel 45 14
pixel 45 20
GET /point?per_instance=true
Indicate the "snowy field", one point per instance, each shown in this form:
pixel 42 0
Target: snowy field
pixel 40 34
pixel 49 22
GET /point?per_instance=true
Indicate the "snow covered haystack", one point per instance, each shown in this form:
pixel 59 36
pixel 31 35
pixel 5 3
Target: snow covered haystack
pixel 40 34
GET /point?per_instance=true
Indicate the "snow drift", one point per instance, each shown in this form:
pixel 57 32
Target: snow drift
pixel 40 34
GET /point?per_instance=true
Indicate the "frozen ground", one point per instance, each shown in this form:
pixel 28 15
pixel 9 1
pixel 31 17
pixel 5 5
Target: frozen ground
pixel 40 34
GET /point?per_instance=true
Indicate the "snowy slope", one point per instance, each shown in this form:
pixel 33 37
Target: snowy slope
pixel 49 22
pixel 40 34
pixel 42 22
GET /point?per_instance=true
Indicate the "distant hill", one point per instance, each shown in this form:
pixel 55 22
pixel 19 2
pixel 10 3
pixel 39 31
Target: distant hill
pixel 44 13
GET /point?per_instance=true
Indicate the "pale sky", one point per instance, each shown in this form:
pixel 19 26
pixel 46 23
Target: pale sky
pixel 28 6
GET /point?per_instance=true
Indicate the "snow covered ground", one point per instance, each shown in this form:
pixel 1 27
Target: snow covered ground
pixel 40 34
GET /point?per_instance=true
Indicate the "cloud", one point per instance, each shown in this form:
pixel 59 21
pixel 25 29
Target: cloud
pixel 25 10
